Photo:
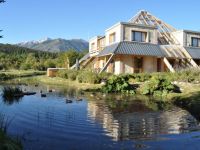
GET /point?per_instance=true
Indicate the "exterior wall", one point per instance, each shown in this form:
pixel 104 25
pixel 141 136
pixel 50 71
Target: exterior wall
pixel 125 64
pixel 180 37
pixel 189 38
pixel 91 41
pixel 118 30
pixel 151 33
pixel 185 38
pixel 99 43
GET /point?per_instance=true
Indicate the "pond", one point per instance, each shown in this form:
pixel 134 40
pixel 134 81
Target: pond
pixel 67 119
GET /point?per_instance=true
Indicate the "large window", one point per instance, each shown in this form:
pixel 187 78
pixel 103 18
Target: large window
pixel 195 42
pixel 112 38
pixel 139 36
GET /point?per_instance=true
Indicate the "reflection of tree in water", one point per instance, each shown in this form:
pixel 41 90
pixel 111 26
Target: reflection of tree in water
pixel 10 101
pixel 131 118
pixel 11 94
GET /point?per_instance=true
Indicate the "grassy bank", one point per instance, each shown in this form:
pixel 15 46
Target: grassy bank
pixel 12 74
pixel 60 81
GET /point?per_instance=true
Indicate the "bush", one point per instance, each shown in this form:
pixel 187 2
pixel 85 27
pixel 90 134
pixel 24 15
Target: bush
pixel 62 74
pixel 86 76
pixel 157 86
pixel 104 76
pixel 118 84
pixel 68 74
pixel 141 77
pixel 4 76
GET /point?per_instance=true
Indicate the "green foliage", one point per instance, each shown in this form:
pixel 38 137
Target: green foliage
pixel 157 86
pixel 4 76
pixel 14 57
pixel 83 76
pixel 141 77
pixel 187 75
pixel 68 74
pixel 118 84
pixel 104 76
pixel 87 76
pixel 68 58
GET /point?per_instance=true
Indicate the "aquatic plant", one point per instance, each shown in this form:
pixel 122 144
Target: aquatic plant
pixel 11 94
pixel 7 143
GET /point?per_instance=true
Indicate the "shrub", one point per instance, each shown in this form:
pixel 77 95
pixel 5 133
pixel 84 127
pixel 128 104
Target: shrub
pixel 104 75
pixel 4 76
pixel 118 84
pixel 68 74
pixel 141 77
pixel 62 74
pixel 86 76
pixel 72 74
pixel 157 86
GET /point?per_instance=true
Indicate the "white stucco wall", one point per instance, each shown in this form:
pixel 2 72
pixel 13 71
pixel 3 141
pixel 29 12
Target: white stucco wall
pixel 118 30
pixel 151 33
pixel 185 38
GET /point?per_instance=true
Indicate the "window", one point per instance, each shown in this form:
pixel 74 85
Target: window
pixel 112 38
pixel 195 42
pixel 139 36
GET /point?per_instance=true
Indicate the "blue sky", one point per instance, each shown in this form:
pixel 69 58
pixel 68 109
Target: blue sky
pixel 24 20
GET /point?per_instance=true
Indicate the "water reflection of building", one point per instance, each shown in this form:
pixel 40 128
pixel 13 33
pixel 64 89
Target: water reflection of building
pixel 133 125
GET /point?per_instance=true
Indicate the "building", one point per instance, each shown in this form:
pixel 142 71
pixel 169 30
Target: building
pixel 143 44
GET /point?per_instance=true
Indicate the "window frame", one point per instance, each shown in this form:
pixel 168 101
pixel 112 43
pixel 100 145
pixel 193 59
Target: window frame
pixel 133 36
pixel 198 42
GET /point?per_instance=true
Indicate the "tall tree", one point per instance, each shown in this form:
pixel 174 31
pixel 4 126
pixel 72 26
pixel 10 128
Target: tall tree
pixel 1 1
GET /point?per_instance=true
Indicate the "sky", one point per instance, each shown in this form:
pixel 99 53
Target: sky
pixel 25 20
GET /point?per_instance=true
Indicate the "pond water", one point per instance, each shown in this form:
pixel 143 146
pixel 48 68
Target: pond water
pixel 97 122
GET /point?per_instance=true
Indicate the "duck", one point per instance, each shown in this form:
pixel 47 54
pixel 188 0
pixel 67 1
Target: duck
pixel 79 99
pixel 43 95
pixel 68 101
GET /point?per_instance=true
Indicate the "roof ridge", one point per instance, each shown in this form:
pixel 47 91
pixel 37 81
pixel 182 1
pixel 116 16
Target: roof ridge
pixel 144 43
pixel 119 44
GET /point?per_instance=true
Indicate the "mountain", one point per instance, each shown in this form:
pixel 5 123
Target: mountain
pixel 56 45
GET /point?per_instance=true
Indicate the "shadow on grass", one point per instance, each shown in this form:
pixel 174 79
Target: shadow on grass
pixel 190 102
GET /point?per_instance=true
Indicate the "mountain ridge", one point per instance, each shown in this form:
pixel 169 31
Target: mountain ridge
pixel 56 45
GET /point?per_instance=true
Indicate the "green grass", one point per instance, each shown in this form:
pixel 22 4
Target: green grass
pixel 60 81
